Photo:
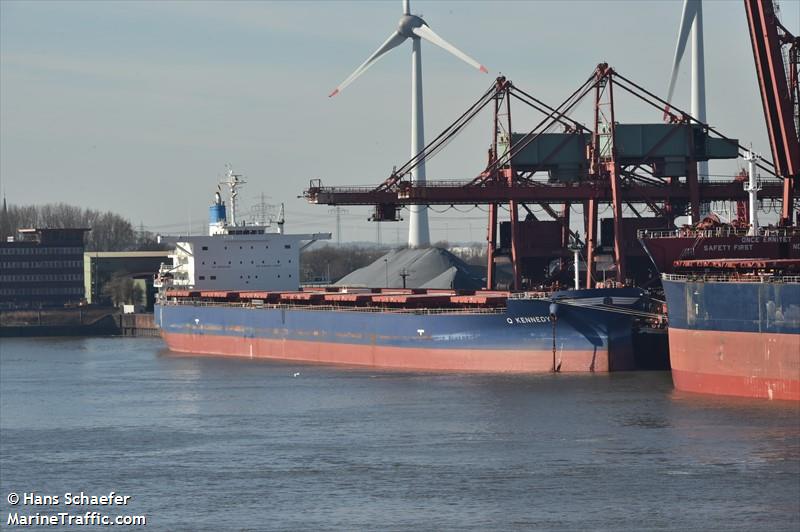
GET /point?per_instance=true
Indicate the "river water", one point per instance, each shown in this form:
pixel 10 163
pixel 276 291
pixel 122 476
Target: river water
pixel 225 444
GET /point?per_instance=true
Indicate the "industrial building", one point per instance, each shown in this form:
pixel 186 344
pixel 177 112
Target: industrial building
pixel 42 268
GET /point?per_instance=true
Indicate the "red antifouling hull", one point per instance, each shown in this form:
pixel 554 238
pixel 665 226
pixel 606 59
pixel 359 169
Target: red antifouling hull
pixel 468 360
pixel 745 364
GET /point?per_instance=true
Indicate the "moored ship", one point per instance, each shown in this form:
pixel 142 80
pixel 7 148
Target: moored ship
pixel 569 331
pixel 719 241
pixel 236 292
pixel 734 327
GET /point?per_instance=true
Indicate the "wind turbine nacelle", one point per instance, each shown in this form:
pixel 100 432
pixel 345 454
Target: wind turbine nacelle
pixel 407 24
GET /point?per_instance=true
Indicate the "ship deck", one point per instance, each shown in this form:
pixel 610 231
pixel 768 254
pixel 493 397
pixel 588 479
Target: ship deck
pixel 336 307
pixel 753 270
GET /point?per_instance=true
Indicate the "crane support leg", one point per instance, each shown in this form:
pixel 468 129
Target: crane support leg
pixel 694 191
pixel 512 207
pixel 590 224
pixel 491 239
pixel 616 205
pixel 788 202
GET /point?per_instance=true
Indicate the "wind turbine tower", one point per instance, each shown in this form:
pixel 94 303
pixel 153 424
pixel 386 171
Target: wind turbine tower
pixel 414 28
pixel 692 22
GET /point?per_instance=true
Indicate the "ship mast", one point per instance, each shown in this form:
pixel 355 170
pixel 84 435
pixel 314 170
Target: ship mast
pixel 752 187
pixel 233 182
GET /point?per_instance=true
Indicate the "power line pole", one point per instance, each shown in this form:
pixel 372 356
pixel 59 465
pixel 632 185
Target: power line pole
pixel 262 212
pixel 338 211
pixel 404 273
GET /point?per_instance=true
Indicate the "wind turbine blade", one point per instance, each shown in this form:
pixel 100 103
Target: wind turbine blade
pixel 429 35
pixel 395 39
pixel 689 13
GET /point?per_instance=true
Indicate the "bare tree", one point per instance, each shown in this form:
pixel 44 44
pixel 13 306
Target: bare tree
pixel 109 231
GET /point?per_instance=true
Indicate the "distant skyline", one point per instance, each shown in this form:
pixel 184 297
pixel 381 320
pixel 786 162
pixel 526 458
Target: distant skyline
pixel 135 107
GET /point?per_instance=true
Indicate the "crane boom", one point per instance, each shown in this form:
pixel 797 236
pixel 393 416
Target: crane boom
pixel 778 94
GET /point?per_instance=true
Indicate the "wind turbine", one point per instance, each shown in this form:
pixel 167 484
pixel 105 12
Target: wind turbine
pixel 692 21
pixel 414 28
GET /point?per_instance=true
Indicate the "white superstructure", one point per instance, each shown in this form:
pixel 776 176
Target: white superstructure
pixel 236 256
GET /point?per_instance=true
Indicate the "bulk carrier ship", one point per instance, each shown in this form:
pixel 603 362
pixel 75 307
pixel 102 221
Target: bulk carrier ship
pixel 733 302
pixel 236 292
pixel 734 327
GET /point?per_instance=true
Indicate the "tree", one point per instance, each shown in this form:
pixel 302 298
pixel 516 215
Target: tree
pixel 109 231
pixel 122 290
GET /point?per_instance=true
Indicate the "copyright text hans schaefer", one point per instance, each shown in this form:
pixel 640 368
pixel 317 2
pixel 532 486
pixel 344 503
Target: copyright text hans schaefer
pixel 70 509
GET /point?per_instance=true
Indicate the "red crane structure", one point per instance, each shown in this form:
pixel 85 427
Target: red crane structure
pixel 648 168
pixel 780 93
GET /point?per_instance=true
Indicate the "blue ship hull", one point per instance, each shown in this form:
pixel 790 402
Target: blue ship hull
pixel 734 338
pixel 519 338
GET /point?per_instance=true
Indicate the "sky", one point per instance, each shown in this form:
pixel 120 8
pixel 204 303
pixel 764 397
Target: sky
pixel 135 107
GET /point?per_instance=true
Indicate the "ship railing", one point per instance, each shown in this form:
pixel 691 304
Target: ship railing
pixel 328 308
pixel 528 295
pixel 725 231
pixel 716 278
